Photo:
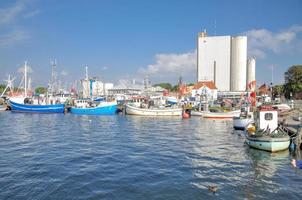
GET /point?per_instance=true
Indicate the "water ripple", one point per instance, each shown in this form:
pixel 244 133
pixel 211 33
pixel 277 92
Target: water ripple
pixel 130 157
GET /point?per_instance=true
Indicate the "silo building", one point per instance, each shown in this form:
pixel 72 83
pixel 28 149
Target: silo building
pixel 251 74
pixel 223 60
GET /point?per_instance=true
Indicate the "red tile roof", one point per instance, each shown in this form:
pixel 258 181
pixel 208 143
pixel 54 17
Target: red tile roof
pixel 209 84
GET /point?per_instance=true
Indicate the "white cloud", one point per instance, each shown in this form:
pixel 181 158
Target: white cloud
pixel 8 15
pixel 104 68
pixel 9 18
pixel 10 39
pixel 22 69
pixel 171 66
pixel 262 40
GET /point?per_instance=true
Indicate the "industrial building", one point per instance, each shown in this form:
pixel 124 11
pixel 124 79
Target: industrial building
pixel 223 60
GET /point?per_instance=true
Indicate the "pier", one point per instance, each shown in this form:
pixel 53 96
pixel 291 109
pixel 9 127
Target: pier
pixel 291 122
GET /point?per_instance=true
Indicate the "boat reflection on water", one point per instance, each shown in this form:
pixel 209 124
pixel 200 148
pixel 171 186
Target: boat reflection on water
pixel 266 163
pixel 265 176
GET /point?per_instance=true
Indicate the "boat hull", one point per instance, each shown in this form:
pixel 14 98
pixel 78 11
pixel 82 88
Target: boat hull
pixel 240 123
pixel 198 113
pixel 268 143
pixel 103 109
pixel 131 110
pixel 29 108
pixel 222 115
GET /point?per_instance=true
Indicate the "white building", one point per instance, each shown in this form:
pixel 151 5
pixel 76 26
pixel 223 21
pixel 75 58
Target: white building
pixel 95 88
pixel 222 59
pixel 205 89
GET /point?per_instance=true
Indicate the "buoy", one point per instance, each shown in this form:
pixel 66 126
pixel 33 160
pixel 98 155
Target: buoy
pixel 185 115
pixel 251 129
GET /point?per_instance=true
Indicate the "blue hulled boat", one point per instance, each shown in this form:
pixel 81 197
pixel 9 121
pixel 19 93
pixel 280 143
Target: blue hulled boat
pixel 103 108
pixel 30 108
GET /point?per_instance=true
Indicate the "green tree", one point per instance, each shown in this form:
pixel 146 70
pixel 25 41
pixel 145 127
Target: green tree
pixel 293 82
pixel 278 90
pixel 175 88
pixel 2 87
pixel 41 90
pixel 166 86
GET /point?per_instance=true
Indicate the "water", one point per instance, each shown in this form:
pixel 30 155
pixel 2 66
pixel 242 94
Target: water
pixel 56 156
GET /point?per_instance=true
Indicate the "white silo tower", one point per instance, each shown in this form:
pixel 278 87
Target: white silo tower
pixel 251 72
pixel 238 63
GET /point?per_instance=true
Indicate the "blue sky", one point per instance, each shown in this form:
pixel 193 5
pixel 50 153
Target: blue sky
pixel 121 40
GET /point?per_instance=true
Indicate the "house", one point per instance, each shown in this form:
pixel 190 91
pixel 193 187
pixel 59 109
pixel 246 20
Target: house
pixel 206 89
pixel 264 90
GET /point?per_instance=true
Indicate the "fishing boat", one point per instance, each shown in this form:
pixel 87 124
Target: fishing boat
pixel 222 115
pixel 24 103
pixel 160 111
pixel 30 108
pixel 103 108
pixel 198 113
pixel 246 117
pixel 265 134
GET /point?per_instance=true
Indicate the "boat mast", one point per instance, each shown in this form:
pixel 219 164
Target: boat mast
pixel 9 85
pixel 25 79
pixel 53 77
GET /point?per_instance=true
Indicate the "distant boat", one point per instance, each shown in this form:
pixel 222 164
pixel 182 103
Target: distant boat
pixel 171 100
pixel 103 108
pixel 162 111
pixel 30 108
pixel 266 134
pixel 222 115
pixel 282 107
pixel 246 117
pixel 198 113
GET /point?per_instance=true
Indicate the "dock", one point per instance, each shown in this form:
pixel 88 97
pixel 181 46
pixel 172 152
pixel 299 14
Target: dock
pixel 291 122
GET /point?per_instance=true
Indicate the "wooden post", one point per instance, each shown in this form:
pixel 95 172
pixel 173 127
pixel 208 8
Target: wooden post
pixel 298 141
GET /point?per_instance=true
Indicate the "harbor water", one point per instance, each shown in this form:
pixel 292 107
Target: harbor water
pixel 57 156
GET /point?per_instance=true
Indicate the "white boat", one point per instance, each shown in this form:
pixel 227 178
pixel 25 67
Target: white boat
pixel 282 107
pixel 161 111
pixel 245 118
pixel 222 115
pixel 266 134
pixel 198 113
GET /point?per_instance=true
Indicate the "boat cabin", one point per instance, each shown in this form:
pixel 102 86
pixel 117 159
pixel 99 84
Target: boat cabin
pixel 267 118
pixel 246 111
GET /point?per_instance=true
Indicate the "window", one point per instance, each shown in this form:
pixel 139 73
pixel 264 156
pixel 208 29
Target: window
pixel 268 116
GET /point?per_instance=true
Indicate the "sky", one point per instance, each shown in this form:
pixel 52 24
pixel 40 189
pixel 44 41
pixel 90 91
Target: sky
pixel 121 40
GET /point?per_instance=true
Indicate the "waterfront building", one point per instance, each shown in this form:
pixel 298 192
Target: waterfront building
pixel 206 89
pixel 223 60
pixel 92 87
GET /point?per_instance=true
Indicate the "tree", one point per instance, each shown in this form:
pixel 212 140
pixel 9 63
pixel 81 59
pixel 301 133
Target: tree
pixel 41 90
pixel 175 88
pixel 293 82
pixel 2 87
pixel 166 86
pixel 278 90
